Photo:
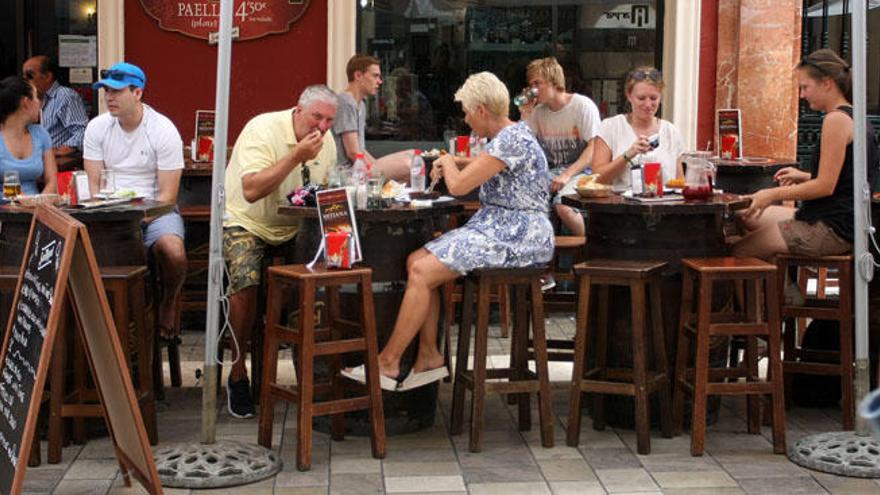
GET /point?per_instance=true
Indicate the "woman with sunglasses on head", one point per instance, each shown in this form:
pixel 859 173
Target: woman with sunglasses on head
pixel 25 146
pixel 823 225
pixel 624 137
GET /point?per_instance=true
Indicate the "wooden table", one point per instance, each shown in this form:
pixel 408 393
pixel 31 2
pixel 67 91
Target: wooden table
pixel 749 174
pixel 115 231
pixel 620 228
pixel 387 236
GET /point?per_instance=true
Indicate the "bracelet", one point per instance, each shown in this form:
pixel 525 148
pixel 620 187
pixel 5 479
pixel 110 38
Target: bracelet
pixel 627 159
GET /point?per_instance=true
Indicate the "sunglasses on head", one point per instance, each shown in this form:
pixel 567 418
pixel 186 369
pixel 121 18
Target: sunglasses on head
pixel 118 75
pixel 641 75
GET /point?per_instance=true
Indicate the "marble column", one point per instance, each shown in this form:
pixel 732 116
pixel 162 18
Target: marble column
pixel 758 47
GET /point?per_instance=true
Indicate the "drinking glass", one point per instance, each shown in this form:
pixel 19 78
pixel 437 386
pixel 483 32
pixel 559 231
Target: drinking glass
pixel 107 186
pixel 11 184
pixel 374 192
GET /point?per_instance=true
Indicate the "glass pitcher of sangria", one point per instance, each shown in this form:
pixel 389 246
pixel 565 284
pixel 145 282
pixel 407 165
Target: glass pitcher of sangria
pixel 697 176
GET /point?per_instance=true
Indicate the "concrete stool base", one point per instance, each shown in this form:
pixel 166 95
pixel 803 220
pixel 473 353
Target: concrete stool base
pixel 843 453
pixel 226 463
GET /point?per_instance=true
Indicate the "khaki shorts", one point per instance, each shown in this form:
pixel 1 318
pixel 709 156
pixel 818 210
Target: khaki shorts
pixel 243 253
pixel 817 239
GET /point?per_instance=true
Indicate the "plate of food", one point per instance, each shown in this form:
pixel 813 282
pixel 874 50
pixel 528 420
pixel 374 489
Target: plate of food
pixel 127 194
pixel 38 199
pixel 588 187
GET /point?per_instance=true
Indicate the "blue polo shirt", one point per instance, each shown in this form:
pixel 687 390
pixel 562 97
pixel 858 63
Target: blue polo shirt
pixel 30 168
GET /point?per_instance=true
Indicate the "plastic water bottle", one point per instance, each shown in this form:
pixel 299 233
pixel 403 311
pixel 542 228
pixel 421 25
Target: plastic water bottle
pixel 417 172
pixel 359 170
pixel 359 178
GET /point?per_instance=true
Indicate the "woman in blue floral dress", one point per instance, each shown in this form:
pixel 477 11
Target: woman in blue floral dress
pixel 511 229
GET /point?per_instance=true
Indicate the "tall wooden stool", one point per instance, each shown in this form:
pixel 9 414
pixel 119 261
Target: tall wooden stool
pixel 570 247
pixel 527 298
pixel 312 341
pixel 637 382
pixel 836 363
pixel 759 279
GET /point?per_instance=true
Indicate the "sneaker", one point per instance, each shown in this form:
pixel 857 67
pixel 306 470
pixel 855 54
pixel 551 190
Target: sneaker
pixel 238 399
pixel 547 282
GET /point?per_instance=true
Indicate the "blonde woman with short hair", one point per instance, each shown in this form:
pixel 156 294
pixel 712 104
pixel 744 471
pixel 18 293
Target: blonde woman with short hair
pixel 511 229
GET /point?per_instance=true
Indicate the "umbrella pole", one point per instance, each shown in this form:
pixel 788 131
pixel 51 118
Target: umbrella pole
pixel 218 204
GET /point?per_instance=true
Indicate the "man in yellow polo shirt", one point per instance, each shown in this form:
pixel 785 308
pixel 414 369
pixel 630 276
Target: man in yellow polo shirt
pixel 266 166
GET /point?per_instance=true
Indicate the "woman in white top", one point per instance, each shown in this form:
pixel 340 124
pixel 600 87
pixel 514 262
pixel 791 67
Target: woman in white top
pixel 624 137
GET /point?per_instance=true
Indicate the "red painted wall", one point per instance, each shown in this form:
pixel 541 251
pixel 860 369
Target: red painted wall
pixel 267 73
pixel 706 93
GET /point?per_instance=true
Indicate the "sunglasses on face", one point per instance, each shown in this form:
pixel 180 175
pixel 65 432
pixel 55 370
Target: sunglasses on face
pixel 653 75
pixel 118 75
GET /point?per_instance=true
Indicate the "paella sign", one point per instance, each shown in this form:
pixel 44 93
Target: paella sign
pixel 201 18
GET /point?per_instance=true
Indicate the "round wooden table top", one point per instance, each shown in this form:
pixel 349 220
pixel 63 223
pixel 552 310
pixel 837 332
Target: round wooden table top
pixel 718 203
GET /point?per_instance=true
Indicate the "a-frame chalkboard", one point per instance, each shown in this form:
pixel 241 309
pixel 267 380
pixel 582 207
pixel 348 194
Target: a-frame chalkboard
pixel 59 257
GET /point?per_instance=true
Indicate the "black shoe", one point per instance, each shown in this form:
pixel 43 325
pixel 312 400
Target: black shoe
pixel 238 399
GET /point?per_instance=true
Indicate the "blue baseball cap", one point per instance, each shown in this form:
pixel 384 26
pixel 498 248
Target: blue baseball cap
pixel 120 76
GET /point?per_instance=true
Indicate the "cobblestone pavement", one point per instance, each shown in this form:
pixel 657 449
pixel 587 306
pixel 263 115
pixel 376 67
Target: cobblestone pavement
pixel 512 462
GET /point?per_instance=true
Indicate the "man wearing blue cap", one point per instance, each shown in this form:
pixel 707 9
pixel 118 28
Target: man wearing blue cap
pixel 145 153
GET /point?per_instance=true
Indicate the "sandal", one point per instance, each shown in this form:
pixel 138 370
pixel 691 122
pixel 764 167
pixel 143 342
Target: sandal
pixel 359 374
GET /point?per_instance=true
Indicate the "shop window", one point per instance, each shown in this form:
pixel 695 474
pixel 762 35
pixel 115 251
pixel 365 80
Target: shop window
pixel 65 30
pixel 427 49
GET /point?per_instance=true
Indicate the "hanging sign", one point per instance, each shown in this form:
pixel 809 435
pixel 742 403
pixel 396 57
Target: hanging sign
pixel 252 18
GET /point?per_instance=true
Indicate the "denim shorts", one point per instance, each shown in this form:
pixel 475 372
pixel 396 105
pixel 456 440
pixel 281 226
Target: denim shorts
pixel 816 239
pixel 169 223
pixel 570 186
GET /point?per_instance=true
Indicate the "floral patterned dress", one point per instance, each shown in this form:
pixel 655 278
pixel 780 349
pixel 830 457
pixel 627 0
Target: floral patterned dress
pixel 512 227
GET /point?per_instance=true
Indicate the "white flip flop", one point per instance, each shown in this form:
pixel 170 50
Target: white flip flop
pixel 359 374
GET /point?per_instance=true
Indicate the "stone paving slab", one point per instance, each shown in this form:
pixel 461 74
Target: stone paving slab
pixel 511 462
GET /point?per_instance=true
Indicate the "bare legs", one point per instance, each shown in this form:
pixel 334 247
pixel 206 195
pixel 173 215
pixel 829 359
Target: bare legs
pixel 171 257
pixel 395 165
pixel 571 219
pixel 763 239
pixel 419 314
pixel 242 312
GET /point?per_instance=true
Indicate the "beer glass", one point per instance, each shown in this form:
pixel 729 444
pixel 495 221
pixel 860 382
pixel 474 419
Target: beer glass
pixel 11 184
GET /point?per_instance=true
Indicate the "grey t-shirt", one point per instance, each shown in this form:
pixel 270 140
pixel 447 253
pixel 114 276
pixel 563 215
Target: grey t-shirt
pixel 351 116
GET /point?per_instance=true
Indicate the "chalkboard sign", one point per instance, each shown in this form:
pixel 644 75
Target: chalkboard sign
pixel 59 256
pixel 31 329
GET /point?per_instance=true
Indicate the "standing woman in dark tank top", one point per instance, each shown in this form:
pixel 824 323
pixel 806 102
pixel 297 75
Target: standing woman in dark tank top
pixel 823 225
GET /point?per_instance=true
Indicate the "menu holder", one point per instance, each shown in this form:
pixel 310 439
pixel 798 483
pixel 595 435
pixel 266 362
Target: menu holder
pixel 203 142
pixel 59 258
pixel 730 133
pixel 335 214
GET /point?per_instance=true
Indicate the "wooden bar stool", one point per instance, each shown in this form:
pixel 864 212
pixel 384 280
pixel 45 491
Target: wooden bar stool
pixel 312 341
pixel 126 287
pixel 836 363
pixel 637 382
pixel 569 247
pixel 701 381
pixel 526 286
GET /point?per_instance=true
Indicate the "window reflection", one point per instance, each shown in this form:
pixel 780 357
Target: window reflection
pixel 428 48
